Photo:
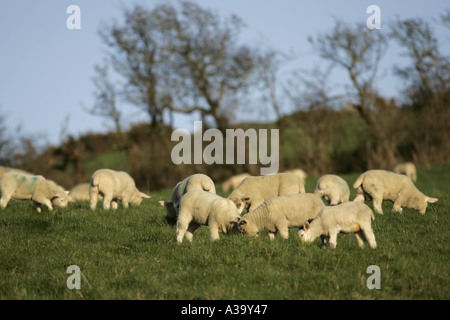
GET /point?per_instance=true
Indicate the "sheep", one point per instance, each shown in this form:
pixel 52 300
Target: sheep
pixel 80 192
pixel 114 185
pixel 348 217
pixel 255 190
pixel 198 207
pixel 233 182
pixel 333 189
pixel 194 182
pixel 277 214
pixel 408 169
pixel 382 185
pixel 14 185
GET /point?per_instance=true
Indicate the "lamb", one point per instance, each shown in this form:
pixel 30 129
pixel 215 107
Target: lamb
pixel 384 185
pixel 194 182
pixel 333 189
pixel 80 192
pixel 408 169
pixel 198 208
pixel 14 185
pixel 277 214
pixel 113 186
pixel 348 217
pixel 255 190
pixel 233 182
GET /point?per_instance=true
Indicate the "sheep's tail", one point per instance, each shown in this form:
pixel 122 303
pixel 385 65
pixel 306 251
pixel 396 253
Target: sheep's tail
pixel 207 186
pixel 358 182
pixel 93 184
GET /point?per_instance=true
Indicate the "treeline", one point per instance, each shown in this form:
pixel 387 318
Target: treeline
pixel 183 58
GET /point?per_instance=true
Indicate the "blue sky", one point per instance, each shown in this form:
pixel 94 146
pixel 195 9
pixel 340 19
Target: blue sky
pixel 46 69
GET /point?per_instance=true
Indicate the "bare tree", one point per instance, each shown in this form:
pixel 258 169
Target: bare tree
pixel 429 73
pixel 359 50
pixel 182 59
pixel 106 98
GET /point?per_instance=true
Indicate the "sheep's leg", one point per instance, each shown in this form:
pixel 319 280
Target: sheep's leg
pixel 368 233
pixel 5 199
pixel 107 199
pixel 271 235
pixel 377 203
pixel 213 231
pixel 93 195
pixel 397 207
pixel 114 205
pixel 182 226
pixel 284 232
pixel 325 240
pixel 40 198
pixel 190 231
pixel 360 238
pixel 359 194
pixel 333 239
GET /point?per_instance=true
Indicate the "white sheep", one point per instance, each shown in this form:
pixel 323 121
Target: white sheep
pixel 333 189
pixel 277 214
pixel 113 186
pixel 408 169
pixel 80 192
pixel 14 185
pixel 232 182
pixel 194 182
pixel 255 190
pixel 348 217
pixel 205 208
pixel 382 185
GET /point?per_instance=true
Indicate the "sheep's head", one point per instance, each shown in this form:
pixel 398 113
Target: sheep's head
pixel 61 199
pixel 247 228
pixel 137 197
pixel 305 234
pixel 171 210
pixel 421 203
pixel 241 203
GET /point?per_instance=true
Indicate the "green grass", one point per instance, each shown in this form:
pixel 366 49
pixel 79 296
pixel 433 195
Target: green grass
pixel 132 254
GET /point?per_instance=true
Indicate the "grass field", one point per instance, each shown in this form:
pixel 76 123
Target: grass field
pixel 132 254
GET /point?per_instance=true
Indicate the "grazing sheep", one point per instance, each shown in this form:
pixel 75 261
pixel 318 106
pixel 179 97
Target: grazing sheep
pixel 333 189
pixel 80 192
pixel 205 208
pixel 114 185
pixel 255 190
pixel 233 182
pixel 195 182
pixel 14 185
pixel 281 213
pixel 382 185
pixel 348 217
pixel 408 169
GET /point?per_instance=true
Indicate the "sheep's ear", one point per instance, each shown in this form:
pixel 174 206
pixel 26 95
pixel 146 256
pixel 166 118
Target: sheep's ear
pixel 430 200
pixel 306 226
pixel 164 203
pixel 246 199
pixel 242 222
pixel 237 219
pixel 143 195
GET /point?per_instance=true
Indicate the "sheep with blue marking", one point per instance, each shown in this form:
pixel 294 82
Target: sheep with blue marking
pixel 19 186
